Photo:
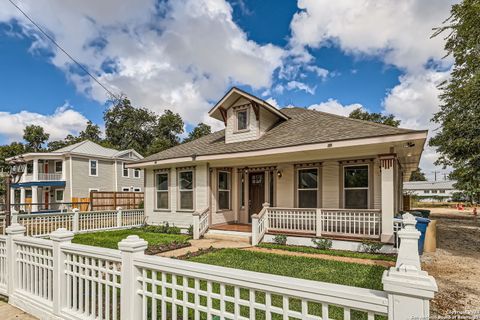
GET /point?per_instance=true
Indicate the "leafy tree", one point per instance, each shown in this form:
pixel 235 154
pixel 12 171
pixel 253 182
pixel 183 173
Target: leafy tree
pixel 374 117
pixel 91 132
pixel 167 130
pixel 200 130
pixel 418 175
pixel 458 140
pixel 129 127
pixel 7 151
pixel 35 137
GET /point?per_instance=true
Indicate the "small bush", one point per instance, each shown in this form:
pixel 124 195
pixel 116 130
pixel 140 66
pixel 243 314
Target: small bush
pixel 322 244
pixel 141 205
pixel 280 239
pixel 190 231
pixel 371 246
pixel 164 228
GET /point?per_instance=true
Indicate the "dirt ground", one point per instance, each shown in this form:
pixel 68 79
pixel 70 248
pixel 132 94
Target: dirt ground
pixel 456 262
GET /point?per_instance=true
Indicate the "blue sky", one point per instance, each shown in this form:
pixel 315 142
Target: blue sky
pixel 184 55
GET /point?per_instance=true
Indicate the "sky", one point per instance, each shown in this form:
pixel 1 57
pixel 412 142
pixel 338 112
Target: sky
pixel 183 55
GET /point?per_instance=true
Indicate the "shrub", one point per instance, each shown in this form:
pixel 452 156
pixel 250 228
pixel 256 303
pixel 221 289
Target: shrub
pixel 280 239
pixel 322 244
pixel 141 205
pixel 371 246
pixel 164 228
pixel 190 231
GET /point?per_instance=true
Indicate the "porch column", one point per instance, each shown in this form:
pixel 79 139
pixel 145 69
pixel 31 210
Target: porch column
pixel 387 165
pixel 35 171
pixel 64 171
pixel 22 198
pixel 34 198
pixel 12 200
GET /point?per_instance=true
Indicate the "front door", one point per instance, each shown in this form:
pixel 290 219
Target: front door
pixel 256 194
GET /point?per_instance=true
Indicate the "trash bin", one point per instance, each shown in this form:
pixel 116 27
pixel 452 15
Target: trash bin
pixel 425 213
pixel 422 224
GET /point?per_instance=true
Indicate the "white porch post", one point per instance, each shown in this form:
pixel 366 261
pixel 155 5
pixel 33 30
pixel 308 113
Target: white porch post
pixel 34 198
pixel 22 198
pixel 409 288
pixel 64 169
pixel 12 200
pixel 387 164
pixel 35 170
pixel 13 232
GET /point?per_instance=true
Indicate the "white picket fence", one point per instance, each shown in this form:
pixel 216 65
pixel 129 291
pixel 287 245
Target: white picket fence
pixel 334 222
pixel 55 279
pixel 40 225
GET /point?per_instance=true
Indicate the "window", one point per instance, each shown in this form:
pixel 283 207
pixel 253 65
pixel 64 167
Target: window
pixel 162 190
pixel 30 167
pixel 242 120
pixel 442 191
pixel 125 170
pixel 58 166
pixel 185 184
pixel 426 191
pixel 242 190
pixel 59 195
pixel 136 173
pixel 93 167
pixel 224 190
pixel 125 189
pixel 307 187
pixel 356 187
pixel 137 189
pixel 434 191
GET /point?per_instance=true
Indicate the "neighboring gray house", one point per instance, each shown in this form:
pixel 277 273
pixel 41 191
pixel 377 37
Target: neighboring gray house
pixel 53 178
pixel 431 190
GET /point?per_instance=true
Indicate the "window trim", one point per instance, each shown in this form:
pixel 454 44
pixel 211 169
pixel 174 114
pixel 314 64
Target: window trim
pixel 229 190
pixel 90 167
pixel 137 189
pixel 167 191
pixel 179 190
pixel 297 189
pixel 123 171
pixel 63 195
pixel 55 166
pixel 93 189
pixel 126 189
pixel 356 188
pixel 139 173
pixel 247 125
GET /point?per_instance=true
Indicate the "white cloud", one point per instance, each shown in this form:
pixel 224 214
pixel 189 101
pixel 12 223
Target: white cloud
pixel 62 122
pixel 297 85
pixel 335 107
pixel 178 54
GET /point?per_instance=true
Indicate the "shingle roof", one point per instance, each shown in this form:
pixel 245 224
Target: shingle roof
pixel 422 185
pixel 304 127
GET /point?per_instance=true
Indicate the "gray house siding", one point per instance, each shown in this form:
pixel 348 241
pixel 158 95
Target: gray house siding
pixel 82 181
pixel 128 182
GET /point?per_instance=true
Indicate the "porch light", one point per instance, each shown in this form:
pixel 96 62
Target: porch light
pixel 279 173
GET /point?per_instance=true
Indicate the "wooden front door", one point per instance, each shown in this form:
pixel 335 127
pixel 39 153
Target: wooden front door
pixel 256 194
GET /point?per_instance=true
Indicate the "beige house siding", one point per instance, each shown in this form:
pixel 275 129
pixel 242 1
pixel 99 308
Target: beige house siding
pixel 330 185
pixel 128 182
pixel 267 120
pixel 377 185
pixel 230 130
pixel 285 186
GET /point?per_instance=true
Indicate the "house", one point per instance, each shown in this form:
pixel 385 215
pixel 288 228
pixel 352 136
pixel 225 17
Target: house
pixel 52 179
pixel 429 191
pixel 317 173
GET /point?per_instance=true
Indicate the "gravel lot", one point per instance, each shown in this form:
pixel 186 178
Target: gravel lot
pixel 456 263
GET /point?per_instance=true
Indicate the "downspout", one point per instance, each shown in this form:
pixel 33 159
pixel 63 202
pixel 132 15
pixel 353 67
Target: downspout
pixel 116 176
pixel 71 178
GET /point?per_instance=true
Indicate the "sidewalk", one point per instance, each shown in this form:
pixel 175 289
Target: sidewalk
pixel 8 312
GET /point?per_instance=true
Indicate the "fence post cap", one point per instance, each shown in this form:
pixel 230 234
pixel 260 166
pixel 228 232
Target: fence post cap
pixel 132 244
pixel 119 208
pixel 409 231
pixel 61 235
pixel 410 281
pixel 15 229
pixel 74 210
pixel 266 205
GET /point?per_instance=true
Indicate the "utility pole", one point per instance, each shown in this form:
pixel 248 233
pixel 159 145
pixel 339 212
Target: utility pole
pixel 435 173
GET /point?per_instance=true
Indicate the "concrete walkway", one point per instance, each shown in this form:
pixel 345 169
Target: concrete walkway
pixel 196 245
pixel 8 312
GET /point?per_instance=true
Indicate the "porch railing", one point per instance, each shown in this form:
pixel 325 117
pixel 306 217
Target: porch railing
pixel 200 223
pixel 332 222
pixel 49 176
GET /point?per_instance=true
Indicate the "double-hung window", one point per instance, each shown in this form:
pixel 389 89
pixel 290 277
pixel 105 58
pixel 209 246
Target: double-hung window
pixel 242 120
pixel 59 195
pixel 307 187
pixel 162 190
pixel 58 166
pixel 224 187
pixel 93 170
pixel 185 187
pixel 136 173
pixel 356 187
pixel 124 170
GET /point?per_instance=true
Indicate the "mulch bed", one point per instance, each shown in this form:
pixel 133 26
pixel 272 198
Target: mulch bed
pixel 159 248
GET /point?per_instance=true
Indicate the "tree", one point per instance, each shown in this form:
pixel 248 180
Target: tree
pixel 91 132
pixel 35 137
pixel 7 151
pixel 129 127
pixel 458 140
pixel 418 175
pixel 167 130
pixel 389 120
pixel 200 130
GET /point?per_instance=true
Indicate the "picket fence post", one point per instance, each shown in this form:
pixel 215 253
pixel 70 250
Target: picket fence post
pixel 409 288
pixel 59 237
pixel 318 226
pixel 119 217
pixel 76 220
pixel 15 230
pixel 196 225
pixel 130 301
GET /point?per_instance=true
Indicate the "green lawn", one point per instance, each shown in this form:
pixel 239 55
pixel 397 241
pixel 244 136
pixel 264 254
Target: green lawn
pixel 110 239
pixel 350 274
pixel 341 253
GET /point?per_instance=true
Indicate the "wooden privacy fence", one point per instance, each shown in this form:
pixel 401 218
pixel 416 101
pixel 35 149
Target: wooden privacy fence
pixel 110 200
pixel 56 279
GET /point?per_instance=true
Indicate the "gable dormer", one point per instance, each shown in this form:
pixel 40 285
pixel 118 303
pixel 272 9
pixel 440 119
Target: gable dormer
pixel 245 116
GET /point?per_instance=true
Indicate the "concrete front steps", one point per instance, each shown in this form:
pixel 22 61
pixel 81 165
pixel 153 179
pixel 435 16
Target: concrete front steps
pixel 245 237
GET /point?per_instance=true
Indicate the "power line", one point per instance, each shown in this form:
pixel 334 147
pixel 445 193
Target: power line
pixel 63 50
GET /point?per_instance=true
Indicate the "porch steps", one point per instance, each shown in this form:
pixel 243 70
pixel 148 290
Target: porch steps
pixel 229 235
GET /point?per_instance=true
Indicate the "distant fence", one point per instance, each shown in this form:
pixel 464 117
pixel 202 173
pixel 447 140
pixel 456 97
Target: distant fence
pixel 110 200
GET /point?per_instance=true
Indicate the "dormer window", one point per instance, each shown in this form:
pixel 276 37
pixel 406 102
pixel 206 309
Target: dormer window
pixel 242 120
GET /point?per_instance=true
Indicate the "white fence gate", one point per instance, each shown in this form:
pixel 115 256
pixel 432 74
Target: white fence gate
pixel 55 279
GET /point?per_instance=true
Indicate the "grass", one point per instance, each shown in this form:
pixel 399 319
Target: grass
pixel 340 253
pixel 350 274
pixel 110 239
